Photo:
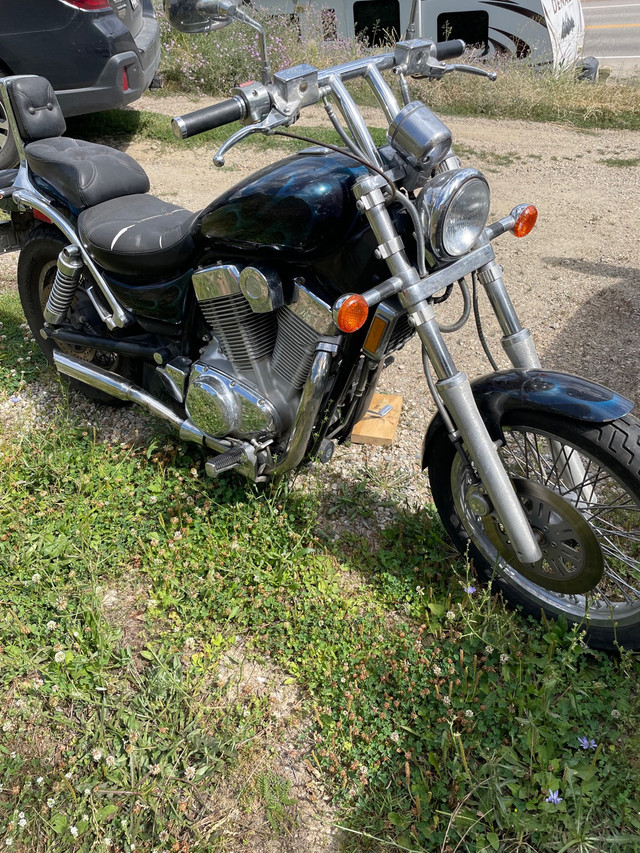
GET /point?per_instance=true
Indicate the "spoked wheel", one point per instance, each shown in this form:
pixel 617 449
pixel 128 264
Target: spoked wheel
pixel 37 266
pixel 579 486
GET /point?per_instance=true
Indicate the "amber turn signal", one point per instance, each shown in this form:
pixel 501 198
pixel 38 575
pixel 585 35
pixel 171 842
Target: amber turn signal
pixel 525 220
pixel 352 313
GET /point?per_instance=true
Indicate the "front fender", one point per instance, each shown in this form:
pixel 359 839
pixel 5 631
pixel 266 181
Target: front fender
pixel 537 390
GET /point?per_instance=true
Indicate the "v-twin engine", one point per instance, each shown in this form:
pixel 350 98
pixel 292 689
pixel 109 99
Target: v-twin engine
pixel 247 380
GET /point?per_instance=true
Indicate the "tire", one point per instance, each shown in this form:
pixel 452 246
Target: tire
pixel 8 150
pixel 588 525
pixel 37 266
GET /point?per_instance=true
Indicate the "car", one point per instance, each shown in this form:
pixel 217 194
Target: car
pixel 97 54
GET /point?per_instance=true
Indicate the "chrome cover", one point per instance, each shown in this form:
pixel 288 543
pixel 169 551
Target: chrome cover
pixel 221 405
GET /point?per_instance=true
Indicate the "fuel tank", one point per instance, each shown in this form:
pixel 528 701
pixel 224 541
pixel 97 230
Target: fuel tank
pixel 302 206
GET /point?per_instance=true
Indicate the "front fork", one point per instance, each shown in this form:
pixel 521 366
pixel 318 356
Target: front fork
pixel 453 385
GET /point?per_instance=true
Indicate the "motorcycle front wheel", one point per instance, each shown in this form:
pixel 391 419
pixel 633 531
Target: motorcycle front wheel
pixel 579 485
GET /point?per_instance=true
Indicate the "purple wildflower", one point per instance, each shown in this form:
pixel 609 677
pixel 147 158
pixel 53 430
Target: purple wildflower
pixel 553 797
pixel 587 743
pixel 470 589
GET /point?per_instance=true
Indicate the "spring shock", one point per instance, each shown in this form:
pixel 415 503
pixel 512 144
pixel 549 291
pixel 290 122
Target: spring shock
pixel 64 285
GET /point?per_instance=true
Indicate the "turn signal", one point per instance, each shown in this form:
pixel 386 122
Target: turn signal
pixel 525 220
pixel 352 313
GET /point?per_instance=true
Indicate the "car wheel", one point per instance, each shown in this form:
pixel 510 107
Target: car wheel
pixel 8 151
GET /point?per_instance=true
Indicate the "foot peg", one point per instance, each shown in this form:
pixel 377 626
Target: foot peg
pixel 227 461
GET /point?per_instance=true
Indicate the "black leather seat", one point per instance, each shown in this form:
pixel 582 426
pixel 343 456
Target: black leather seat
pixel 138 235
pixel 82 173
pixel 85 173
pixel 127 231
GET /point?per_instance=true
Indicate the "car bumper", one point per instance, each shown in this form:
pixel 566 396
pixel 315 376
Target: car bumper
pixel 139 65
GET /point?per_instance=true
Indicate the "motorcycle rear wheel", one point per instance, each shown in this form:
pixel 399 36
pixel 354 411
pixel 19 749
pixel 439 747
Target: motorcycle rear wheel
pixel 588 525
pixel 37 266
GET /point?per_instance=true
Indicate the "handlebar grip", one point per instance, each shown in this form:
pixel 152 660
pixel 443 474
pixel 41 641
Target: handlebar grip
pixel 216 115
pixel 449 49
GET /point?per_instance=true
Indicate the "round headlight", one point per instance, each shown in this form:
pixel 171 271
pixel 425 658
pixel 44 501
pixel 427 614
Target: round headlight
pixel 454 207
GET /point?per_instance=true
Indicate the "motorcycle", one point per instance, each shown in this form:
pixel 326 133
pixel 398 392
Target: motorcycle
pixel 259 326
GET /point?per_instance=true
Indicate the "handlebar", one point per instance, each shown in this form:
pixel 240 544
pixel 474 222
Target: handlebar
pixel 217 115
pixel 449 49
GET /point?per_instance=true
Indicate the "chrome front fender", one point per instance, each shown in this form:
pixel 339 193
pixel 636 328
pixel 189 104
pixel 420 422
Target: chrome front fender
pixel 549 391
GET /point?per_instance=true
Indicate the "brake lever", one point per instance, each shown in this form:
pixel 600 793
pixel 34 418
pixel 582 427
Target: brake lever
pixel 470 69
pixel 271 122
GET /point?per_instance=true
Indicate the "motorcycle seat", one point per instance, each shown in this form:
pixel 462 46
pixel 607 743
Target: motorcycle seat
pixel 81 173
pixel 85 173
pixel 138 235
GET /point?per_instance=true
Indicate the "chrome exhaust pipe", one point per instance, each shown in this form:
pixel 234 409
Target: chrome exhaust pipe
pixel 114 385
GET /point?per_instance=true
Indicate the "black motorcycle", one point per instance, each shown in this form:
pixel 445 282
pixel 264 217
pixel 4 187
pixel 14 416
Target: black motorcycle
pixel 259 326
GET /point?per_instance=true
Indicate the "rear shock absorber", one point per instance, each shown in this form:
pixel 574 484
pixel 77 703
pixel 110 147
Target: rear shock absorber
pixel 64 286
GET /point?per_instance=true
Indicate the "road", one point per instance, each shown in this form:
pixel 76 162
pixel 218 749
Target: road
pixel 612 33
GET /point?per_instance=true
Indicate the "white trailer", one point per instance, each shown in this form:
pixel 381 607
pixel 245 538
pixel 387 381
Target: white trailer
pixel 546 32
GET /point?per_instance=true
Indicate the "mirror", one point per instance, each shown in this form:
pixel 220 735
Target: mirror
pixel 187 17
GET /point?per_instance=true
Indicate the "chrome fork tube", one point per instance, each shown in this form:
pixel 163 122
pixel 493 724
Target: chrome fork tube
pixel 520 348
pixel 517 342
pixel 453 385
pixel 454 389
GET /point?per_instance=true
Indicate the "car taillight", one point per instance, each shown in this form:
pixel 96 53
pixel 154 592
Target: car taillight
pixel 88 5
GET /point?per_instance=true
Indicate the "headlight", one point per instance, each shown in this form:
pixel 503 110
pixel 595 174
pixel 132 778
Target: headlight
pixel 454 208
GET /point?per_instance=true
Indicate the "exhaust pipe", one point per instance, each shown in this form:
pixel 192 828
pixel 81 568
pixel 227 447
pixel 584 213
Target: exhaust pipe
pixel 114 385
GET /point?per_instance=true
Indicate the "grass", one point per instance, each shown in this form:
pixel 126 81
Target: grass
pixel 213 64
pixel 135 590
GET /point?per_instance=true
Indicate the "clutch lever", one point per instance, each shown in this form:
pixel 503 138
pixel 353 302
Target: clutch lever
pixel 271 122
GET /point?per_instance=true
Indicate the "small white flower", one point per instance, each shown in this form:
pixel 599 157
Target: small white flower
pixel 51 802
pixel 6 727
pixel 85 817
pixel 190 642
pixel 59 657
pixel 21 815
pixel 190 772
pixel 36 578
pixel 39 780
pixel 87 792
pixel 615 713
pixel 488 650
pixel 74 831
pixel 106 841
pixel 450 614
pixel 420 590
pixel 468 713
pixel 436 669
pixel 68 775
pixel 51 625
pixel 96 754
pixel 395 737
pixel 22 822
pixel 8 841
pixel 504 658
pixel 110 760
pixel 446 700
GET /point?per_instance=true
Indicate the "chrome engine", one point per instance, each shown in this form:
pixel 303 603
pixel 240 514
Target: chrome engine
pixel 247 381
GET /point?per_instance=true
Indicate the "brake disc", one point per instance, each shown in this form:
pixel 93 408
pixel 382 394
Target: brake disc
pixel 572 560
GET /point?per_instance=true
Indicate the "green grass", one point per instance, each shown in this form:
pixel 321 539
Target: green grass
pixel 130 583
pixel 213 64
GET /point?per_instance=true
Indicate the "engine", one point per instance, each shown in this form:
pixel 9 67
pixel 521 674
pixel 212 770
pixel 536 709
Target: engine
pixel 247 380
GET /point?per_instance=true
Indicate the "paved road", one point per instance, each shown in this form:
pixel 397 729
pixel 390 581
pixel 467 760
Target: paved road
pixel 613 33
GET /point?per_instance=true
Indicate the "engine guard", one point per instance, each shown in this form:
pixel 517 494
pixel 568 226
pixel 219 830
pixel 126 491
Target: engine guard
pixel 538 391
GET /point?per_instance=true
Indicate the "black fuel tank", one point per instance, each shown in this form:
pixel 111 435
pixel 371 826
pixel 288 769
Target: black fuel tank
pixel 303 205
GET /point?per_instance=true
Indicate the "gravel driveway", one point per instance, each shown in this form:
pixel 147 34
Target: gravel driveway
pixel 575 280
